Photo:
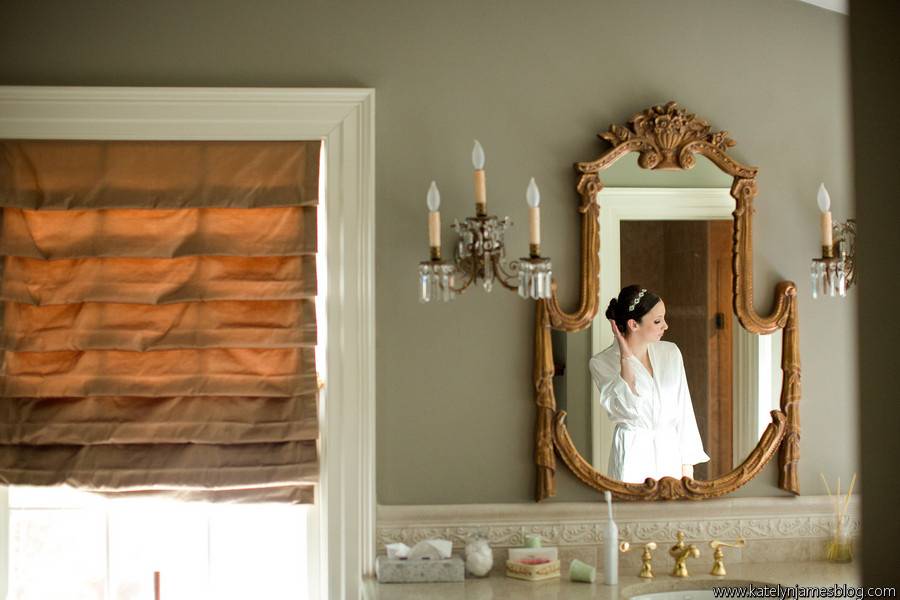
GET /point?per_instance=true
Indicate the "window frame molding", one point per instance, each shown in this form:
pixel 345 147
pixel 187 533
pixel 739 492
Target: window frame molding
pixel 344 119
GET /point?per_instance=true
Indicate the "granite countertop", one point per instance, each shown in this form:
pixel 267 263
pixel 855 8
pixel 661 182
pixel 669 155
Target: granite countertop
pixel 500 587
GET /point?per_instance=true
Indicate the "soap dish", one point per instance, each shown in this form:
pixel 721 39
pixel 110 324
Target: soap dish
pixel 532 570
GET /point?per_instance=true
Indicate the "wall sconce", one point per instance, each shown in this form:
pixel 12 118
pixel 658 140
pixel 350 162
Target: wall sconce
pixel 480 250
pixel 835 272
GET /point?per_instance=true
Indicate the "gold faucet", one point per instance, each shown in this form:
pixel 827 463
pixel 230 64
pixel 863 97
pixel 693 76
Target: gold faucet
pixel 718 555
pixel 681 552
pixel 646 558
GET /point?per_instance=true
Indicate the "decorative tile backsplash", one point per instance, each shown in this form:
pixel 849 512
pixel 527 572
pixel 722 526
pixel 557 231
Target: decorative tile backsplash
pixel 791 528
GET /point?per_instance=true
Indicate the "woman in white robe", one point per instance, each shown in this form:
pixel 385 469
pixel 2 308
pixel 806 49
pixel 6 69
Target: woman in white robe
pixel 644 390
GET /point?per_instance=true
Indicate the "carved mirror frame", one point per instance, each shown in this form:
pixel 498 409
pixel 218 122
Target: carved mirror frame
pixel 667 137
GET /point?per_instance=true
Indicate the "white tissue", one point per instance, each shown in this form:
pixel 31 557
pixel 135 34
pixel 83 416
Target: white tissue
pixel 431 550
pixel 397 551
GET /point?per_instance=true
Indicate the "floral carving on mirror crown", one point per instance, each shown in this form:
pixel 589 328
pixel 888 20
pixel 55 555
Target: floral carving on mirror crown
pixel 661 134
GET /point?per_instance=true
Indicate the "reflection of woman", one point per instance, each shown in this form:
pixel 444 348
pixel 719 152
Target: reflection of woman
pixel 644 389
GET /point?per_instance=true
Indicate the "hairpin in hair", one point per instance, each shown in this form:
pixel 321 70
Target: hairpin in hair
pixel 637 300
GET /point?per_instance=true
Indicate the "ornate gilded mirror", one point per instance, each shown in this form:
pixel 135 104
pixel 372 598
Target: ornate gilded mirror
pixel 698 248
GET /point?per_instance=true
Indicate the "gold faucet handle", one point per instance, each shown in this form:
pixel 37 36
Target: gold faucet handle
pixel 626 547
pixel 719 556
pixel 646 557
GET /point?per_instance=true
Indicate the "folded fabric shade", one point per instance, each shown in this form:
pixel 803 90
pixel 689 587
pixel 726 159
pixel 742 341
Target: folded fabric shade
pixel 158 323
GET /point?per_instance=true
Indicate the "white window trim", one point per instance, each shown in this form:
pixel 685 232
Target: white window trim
pixel 345 120
pixel 4 543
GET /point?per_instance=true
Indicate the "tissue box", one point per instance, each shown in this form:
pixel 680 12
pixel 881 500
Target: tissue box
pixel 533 571
pixel 391 570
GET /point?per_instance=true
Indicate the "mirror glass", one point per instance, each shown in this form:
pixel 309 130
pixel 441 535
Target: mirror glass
pixel 712 383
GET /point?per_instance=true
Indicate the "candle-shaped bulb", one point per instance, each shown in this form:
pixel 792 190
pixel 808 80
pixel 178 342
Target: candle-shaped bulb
pixel 478 156
pixel 533 194
pixel 824 202
pixel 533 198
pixel 823 198
pixel 480 189
pixel 433 199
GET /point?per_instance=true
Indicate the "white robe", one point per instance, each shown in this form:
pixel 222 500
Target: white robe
pixel 656 430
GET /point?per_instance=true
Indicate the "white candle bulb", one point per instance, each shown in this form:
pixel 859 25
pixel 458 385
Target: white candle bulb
pixel 823 198
pixel 478 156
pixel 533 197
pixel 433 199
pixel 824 202
pixel 533 194
pixel 480 188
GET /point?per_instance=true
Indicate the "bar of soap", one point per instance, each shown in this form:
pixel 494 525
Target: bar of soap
pixel 538 570
pixel 391 570
pixel 519 554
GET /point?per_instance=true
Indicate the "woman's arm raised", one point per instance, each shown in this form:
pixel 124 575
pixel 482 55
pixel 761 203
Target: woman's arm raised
pixel 626 354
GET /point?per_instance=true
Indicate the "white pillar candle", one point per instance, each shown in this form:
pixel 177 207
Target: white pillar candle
pixel 533 198
pixel 433 200
pixel 534 226
pixel 480 188
pixel 824 201
pixel 434 229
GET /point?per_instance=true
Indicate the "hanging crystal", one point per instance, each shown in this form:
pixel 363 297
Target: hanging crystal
pixel 424 283
pixel 436 281
pixel 535 276
pixel 814 278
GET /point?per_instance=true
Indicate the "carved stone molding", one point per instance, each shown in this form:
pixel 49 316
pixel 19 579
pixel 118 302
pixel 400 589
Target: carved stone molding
pixel 668 137
pixel 809 519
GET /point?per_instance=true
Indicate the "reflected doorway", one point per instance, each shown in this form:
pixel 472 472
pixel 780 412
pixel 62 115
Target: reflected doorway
pixel 688 263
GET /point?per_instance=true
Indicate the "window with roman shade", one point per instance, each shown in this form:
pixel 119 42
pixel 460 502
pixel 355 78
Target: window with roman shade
pixel 158 324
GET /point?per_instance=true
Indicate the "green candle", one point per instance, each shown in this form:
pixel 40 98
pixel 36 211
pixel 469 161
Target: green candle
pixel 532 540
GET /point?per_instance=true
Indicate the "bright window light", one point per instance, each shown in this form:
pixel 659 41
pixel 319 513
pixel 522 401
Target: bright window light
pixel 71 545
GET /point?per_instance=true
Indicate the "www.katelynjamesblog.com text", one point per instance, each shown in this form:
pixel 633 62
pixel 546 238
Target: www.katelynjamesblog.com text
pixel 794 592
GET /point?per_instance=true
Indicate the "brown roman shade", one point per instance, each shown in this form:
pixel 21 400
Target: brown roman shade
pixel 158 322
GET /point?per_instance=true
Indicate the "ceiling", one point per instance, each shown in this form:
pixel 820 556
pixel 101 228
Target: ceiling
pixel 840 6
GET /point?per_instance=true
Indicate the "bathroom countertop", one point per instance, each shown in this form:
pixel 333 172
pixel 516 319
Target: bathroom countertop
pixel 500 587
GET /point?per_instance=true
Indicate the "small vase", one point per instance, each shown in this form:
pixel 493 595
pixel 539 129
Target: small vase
pixel 839 548
pixel 479 558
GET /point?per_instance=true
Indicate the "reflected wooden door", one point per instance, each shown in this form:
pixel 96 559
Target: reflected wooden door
pixel 720 325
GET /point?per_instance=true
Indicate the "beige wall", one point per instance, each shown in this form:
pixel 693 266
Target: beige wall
pixel 534 82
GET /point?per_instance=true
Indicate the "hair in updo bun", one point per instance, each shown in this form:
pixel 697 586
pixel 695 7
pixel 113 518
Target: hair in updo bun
pixel 634 297
pixel 611 309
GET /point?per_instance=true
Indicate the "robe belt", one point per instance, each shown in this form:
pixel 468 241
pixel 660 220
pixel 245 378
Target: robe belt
pixel 654 431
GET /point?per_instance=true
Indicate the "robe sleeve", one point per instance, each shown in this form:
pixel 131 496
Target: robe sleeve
pixel 615 395
pixel 690 443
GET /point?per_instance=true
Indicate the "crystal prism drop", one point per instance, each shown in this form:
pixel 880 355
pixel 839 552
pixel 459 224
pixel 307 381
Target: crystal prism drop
pixel 424 288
